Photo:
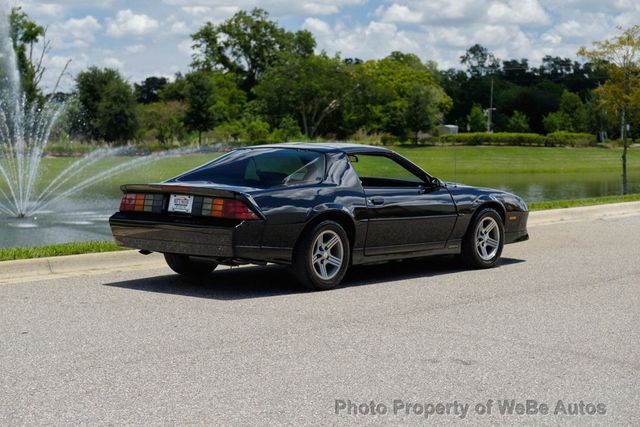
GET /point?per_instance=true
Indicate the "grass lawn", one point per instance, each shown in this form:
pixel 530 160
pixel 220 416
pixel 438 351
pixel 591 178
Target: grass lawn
pixel 10 254
pixel 501 160
pixel 561 204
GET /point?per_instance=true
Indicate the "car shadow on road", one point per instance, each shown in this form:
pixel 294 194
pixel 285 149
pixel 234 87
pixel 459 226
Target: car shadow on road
pixel 259 282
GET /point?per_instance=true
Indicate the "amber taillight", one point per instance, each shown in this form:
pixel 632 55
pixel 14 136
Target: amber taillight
pixel 141 202
pixel 227 208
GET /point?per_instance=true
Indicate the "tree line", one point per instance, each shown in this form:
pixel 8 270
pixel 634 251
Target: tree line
pixel 252 80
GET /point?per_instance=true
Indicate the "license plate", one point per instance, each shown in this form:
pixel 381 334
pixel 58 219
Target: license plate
pixel 180 203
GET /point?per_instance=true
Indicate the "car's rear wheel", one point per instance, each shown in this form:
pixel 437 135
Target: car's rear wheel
pixel 321 257
pixel 185 266
pixel 483 243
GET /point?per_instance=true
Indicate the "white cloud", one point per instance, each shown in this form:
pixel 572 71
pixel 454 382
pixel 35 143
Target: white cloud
pixel 220 9
pixel 522 12
pixel 112 62
pixel 197 10
pixel 320 9
pixel 401 14
pixel 375 40
pixel 180 28
pixel 128 23
pixel 74 32
pixel 185 47
pixel 43 9
pixel 317 26
pixel 136 48
pixel 56 64
pixel 86 27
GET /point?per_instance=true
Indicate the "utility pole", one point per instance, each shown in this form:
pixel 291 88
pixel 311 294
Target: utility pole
pixel 490 109
pixel 623 135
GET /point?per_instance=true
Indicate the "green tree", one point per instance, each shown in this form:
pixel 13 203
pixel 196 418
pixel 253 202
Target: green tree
pixel 397 95
pixel 310 88
pixel 257 131
pixel 479 61
pixel 25 35
pixel 423 111
pixel 246 45
pixel 572 106
pixel 212 98
pixel 287 130
pixel 518 122
pixel 102 95
pixel 557 121
pixel 202 114
pixel 117 119
pixel 162 120
pixel 149 90
pixel 620 57
pixel 476 120
pixel 175 90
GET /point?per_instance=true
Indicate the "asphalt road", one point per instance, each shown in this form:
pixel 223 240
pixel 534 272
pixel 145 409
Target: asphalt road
pixel 559 319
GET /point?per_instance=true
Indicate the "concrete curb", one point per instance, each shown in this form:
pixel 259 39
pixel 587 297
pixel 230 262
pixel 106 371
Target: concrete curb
pixel 105 261
pixel 126 260
pixel 584 213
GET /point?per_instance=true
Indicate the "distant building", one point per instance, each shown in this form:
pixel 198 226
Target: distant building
pixel 447 130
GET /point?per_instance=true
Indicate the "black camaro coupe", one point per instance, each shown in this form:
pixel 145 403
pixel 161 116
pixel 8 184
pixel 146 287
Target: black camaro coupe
pixel 318 208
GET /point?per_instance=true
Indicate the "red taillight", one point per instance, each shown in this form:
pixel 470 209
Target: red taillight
pixel 132 202
pixel 141 202
pixel 227 208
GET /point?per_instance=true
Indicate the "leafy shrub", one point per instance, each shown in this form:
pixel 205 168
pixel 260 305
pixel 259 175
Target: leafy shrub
pixel 68 149
pixel 229 132
pixel 555 139
pixel 559 139
pixel 257 131
pixel 518 122
pixel 476 119
pixel 388 139
pixel 557 122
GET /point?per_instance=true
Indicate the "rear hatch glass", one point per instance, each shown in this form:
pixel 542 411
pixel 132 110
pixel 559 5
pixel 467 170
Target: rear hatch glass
pixel 260 168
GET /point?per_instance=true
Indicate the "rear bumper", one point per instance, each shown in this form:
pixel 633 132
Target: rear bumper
pixel 241 241
pixel 172 238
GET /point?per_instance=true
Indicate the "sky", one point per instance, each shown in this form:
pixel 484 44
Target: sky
pixel 143 38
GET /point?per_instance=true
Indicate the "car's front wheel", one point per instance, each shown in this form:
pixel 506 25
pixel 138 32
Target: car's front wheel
pixel 321 257
pixel 185 266
pixel 483 243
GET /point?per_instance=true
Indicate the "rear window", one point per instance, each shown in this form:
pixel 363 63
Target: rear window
pixel 261 168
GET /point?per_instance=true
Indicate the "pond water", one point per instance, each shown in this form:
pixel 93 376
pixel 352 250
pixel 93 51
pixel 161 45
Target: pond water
pixel 86 218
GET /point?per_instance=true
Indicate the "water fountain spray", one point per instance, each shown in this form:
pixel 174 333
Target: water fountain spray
pixel 24 130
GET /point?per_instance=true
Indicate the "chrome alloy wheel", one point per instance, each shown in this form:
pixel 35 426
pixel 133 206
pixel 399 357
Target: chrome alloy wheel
pixel 487 238
pixel 327 255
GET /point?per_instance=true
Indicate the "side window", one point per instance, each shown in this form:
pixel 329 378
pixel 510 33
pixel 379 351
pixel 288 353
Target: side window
pixel 288 167
pixel 382 171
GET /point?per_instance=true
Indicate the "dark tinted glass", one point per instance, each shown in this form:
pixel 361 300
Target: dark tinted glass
pixel 370 166
pixel 261 167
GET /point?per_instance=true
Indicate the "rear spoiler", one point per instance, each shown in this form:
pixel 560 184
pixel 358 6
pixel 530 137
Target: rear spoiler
pixel 181 189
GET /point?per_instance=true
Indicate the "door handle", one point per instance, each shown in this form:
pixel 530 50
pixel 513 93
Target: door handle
pixel 377 201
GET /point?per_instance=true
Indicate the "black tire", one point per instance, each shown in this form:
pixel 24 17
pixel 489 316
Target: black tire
pixel 306 265
pixel 184 266
pixel 473 253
